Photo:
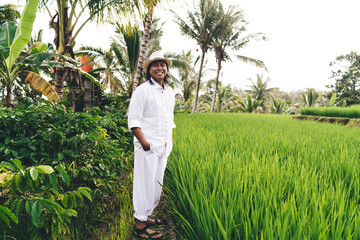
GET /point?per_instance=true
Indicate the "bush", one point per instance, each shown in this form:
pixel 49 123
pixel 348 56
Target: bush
pixel 87 150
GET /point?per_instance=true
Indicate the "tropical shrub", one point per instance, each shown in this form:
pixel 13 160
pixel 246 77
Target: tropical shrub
pixel 88 151
pixel 37 200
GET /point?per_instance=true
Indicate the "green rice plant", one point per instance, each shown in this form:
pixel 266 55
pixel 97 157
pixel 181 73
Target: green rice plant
pixel 244 176
pixel 347 112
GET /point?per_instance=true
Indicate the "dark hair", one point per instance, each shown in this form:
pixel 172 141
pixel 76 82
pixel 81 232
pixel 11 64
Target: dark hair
pixel 148 76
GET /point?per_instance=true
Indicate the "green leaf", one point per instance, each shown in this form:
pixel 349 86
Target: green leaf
pixel 17 163
pixel 65 201
pixel 27 207
pixel 60 156
pixel 7 151
pixel 8 30
pixel 19 207
pixel 71 212
pixel 9 166
pixel 85 191
pixel 56 206
pixel 35 213
pixel 45 169
pixel 23 32
pixel 8 213
pixel 33 173
pixel 4 219
pixel 53 181
pixel 64 175
pixel 18 182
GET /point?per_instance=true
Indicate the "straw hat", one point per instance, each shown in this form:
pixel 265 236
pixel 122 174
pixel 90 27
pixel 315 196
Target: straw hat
pixel 156 56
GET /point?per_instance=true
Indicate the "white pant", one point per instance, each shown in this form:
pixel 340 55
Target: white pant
pixel 148 179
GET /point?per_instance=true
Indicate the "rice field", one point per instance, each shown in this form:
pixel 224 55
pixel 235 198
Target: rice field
pixel 252 176
pixel 347 112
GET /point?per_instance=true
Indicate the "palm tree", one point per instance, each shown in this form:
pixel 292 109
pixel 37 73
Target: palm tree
pixel 150 5
pixel 249 105
pixel 8 13
pixel 230 37
pixel 309 97
pixel 120 61
pixel 188 75
pixel 277 106
pixel 202 25
pixel 67 26
pixel 259 90
pixel 226 98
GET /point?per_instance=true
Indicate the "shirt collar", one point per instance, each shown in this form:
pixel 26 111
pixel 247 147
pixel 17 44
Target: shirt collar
pixel 156 85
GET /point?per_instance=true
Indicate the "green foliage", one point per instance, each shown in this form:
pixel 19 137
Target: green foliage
pixel 29 191
pixel 64 161
pixel 248 106
pixel 346 74
pixel 309 97
pixel 260 90
pixel 347 112
pixel 182 107
pixel 245 176
pixel 8 13
pixel 277 106
pixel 332 100
pixel 23 32
pixel 6 215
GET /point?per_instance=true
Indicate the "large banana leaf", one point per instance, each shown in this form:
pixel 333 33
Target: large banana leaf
pixel 23 32
pixel 7 33
pixel 40 84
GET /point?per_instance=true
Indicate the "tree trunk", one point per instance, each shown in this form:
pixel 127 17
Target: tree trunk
pixel 144 42
pixel 59 81
pixel 87 94
pixel 216 87
pixel 63 43
pixel 198 82
pixel 8 101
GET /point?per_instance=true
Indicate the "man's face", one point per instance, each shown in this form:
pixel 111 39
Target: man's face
pixel 158 70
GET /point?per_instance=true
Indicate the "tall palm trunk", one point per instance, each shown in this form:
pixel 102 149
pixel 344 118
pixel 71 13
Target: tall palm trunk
pixel 87 94
pixel 8 101
pixel 63 42
pixel 144 42
pixel 216 87
pixel 198 82
pixel 59 81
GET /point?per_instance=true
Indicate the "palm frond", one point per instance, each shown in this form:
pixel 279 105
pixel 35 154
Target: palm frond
pixel 257 62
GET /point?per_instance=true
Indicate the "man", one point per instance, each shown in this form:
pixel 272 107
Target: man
pixel 151 119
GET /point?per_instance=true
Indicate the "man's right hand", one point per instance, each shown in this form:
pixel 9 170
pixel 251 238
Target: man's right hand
pixel 146 147
pixel 140 136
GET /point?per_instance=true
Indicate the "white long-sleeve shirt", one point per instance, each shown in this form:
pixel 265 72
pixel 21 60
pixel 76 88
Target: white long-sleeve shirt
pixel 152 109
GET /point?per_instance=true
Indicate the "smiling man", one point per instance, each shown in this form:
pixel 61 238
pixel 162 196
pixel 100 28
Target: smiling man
pixel 151 119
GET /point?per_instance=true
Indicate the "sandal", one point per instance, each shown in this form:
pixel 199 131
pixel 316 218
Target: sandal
pixel 156 222
pixel 139 232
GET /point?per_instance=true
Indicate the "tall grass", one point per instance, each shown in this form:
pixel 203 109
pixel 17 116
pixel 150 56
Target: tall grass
pixel 348 112
pixel 243 176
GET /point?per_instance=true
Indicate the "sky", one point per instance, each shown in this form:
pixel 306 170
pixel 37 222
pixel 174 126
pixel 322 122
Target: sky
pixel 303 38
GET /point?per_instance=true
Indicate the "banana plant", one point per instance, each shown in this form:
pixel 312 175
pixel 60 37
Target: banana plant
pixel 12 41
